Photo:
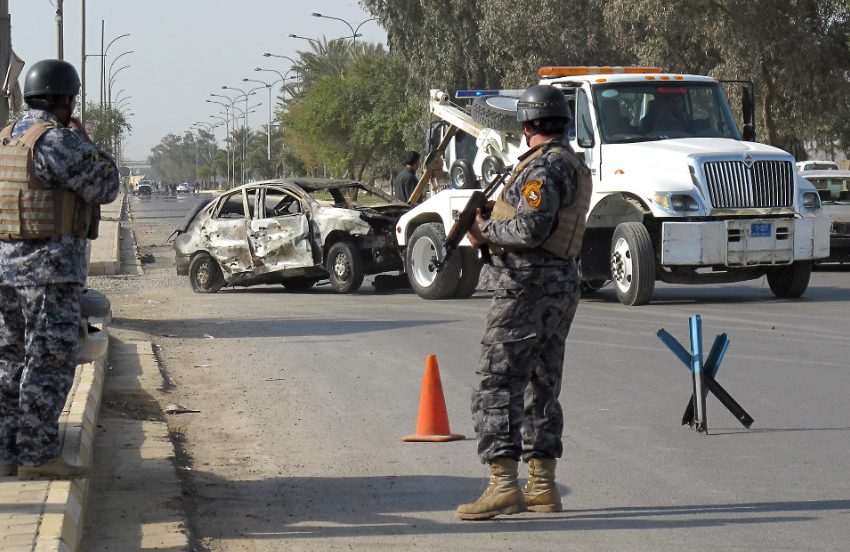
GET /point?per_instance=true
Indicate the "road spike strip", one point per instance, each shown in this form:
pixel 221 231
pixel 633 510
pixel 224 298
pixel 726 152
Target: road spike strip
pixel 432 424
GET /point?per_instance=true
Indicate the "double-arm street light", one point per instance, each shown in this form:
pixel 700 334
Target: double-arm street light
pixel 111 65
pixel 354 29
pixel 112 79
pixel 103 55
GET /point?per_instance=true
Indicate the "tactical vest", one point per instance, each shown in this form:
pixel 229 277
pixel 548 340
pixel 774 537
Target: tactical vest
pixel 28 209
pixel 565 238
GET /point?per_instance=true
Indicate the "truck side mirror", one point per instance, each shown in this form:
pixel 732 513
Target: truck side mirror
pixel 749 133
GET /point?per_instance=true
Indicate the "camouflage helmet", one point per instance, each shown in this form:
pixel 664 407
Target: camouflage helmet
pixel 51 77
pixel 543 101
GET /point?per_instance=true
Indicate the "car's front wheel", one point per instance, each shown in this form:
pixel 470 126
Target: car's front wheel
pixel 205 274
pixel 424 248
pixel 345 267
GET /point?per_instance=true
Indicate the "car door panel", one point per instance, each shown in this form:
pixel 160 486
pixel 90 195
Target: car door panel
pixel 280 240
pixel 226 236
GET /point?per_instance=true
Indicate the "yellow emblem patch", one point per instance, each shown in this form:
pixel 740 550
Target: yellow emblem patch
pixel 533 193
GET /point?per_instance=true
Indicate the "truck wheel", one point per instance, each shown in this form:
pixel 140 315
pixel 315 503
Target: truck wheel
pixel 496 112
pixel 470 270
pixel 790 281
pixel 345 267
pixel 632 263
pixel 462 175
pixel 491 168
pixel 425 245
pixel 204 274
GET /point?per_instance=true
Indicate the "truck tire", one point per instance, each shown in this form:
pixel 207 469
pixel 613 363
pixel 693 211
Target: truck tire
pixel 204 274
pixel 462 175
pixel 790 281
pixel 632 263
pixel 496 112
pixel 491 168
pixel 345 267
pixel 470 271
pixel 589 287
pixel 425 244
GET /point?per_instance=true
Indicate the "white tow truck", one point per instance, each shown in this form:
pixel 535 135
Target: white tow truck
pixel 679 194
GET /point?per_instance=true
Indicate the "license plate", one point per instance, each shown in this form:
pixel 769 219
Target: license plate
pixel 760 230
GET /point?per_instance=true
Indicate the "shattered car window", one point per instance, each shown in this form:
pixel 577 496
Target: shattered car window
pixel 233 207
pixel 279 204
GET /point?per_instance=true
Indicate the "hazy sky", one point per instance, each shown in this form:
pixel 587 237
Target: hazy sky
pixel 182 51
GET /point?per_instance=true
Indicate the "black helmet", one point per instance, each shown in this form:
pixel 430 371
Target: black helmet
pixel 543 101
pixel 51 77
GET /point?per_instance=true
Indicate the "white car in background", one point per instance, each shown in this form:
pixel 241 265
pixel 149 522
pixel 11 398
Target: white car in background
pixel 814 165
pixel 184 188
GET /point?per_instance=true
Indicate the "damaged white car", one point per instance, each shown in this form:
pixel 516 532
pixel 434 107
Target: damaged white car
pixel 296 232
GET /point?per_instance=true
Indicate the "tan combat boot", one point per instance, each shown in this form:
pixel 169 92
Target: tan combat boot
pixel 57 468
pixel 540 493
pixel 502 495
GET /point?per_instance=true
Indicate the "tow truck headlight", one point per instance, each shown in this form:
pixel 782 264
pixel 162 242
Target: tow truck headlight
pixel 811 200
pixel 676 202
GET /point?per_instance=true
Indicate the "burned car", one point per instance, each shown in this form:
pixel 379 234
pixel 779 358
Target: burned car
pixel 293 231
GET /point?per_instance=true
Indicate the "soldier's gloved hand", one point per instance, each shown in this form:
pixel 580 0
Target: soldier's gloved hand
pixel 488 208
pixel 474 235
pixel 77 126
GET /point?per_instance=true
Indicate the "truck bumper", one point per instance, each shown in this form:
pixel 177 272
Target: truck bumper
pixel 744 242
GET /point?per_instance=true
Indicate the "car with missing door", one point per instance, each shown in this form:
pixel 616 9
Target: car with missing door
pixel 296 232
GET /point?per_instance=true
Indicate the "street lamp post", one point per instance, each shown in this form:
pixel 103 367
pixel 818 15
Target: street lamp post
pixel 103 53
pixel 226 132
pixel 111 79
pixel 245 138
pixel 268 85
pixel 111 65
pixel 354 30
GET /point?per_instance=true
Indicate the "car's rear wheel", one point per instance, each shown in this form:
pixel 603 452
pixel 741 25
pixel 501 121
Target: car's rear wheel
pixel 205 274
pixel 426 246
pixel 345 267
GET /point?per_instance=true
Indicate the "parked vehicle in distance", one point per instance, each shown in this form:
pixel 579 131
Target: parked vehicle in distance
pixel 813 165
pixel 185 188
pixel 834 188
pixel 144 190
pixel 294 231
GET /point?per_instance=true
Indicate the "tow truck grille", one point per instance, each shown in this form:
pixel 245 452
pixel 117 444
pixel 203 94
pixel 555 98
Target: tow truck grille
pixel 767 184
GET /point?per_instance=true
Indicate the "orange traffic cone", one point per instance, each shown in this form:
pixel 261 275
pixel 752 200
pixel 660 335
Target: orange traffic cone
pixel 432 425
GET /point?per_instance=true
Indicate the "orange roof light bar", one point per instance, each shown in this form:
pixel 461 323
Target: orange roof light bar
pixel 551 71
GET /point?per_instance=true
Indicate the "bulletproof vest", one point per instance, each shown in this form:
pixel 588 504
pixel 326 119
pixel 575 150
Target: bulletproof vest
pixel 28 209
pixel 568 230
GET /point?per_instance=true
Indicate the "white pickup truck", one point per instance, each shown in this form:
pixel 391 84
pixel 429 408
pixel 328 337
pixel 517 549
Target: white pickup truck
pixel 679 195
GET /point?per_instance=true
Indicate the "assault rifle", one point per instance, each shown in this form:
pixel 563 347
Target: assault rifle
pixel 465 220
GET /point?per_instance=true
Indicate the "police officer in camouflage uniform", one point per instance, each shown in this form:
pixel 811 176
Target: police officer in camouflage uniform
pixel 52 178
pixel 515 406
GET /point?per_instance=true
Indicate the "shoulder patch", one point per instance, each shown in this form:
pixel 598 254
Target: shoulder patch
pixel 532 190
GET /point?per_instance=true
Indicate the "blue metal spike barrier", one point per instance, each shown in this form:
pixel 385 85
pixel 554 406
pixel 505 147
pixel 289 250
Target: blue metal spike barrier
pixel 704 376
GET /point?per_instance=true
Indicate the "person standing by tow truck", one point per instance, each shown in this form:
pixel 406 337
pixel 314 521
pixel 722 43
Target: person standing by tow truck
pixel 52 180
pixel 405 181
pixel 534 233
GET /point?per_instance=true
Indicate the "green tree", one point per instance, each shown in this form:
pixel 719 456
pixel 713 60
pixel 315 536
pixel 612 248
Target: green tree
pixel 108 126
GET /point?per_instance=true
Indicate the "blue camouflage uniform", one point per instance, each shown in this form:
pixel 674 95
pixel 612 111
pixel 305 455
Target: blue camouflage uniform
pixel 515 406
pixel 40 299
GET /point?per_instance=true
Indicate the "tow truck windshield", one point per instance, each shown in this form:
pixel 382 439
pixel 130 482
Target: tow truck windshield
pixel 637 112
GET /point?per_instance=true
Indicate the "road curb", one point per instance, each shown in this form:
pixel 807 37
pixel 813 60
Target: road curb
pixel 106 257
pixel 61 524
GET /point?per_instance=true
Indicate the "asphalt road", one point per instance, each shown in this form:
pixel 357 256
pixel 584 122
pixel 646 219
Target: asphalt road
pixel 303 398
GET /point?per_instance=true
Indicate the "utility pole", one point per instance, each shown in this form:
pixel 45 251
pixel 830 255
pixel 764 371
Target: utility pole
pixel 102 63
pixel 60 35
pixel 5 54
pixel 83 68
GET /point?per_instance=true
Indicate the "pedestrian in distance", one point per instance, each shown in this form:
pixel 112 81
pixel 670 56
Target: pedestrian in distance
pixel 405 181
pixel 534 232
pixel 52 180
